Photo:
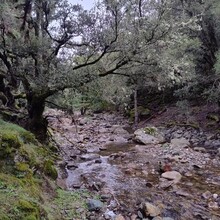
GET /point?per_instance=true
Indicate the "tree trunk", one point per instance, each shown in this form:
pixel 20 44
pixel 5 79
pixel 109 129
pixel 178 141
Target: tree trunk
pixel 135 109
pixel 36 122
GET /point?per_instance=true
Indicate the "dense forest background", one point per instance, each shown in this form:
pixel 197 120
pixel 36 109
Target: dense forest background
pixel 120 55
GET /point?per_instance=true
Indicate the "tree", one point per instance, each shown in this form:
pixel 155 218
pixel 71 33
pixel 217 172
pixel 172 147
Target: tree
pixel 159 41
pixel 48 46
pixel 39 42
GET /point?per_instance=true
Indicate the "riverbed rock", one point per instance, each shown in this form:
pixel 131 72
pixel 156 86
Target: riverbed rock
pixel 119 130
pixel 109 215
pixel 148 136
pixel 88 157
pixel 119 217
pixel 207 195
pixel 172 175
pixel 94 205
pixel 157 218
pixel 71 166
pixel 213 205
pixel 200 149
pixel 151 210
pixel 179 143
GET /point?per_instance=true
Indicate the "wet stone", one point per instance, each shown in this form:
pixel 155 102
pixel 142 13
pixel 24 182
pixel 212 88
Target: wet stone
pixel 213 205
pixel 109 215
pixel 119 217
pixel 98 161
pixel 71 166
pixel 151 210
pixel 76 185
pixel 94 205
pixel 88 157
pixel 207 195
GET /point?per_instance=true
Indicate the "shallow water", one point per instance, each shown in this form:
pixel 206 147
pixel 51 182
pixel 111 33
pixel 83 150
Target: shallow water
pixel 131 177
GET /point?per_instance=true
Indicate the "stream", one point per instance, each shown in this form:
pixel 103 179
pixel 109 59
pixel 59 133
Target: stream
pixel 100 156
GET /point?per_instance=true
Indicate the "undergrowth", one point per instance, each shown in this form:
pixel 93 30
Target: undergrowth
pixel 27 180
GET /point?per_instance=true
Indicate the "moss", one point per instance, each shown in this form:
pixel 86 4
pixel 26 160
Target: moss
pixel 150 130
pixel 26 205
pixel 22 167
pixel 11 139
pixel 30 211
pixel 24 193
pixel 28 137
pixel 50 170
pixel 4 216
pixel 30 217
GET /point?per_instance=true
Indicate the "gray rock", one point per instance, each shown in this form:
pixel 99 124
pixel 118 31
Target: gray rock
pixel 119 217
pixel 200 149
pixel 71 166
pixel 94 205
pixel 157 218
pixel 172 175
pixel 151 210
pixel 141 136
pixel 119 130
pixel 164 183
pixel 179 143
pixel 207 195
pixel 109 215
pixel 213 205
pixel 88 157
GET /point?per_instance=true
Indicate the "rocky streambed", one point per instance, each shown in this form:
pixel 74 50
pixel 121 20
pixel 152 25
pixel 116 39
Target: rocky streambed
pixel 174 176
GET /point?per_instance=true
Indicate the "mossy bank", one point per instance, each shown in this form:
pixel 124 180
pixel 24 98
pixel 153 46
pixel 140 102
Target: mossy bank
pixel 27 179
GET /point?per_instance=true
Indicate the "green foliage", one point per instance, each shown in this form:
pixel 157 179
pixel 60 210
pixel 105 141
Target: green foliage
pixel 71 200
pixel 150 130
pixel 22 192
pixel 50 170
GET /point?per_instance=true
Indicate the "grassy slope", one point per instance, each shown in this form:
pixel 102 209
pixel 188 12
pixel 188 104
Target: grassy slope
pixel 27 174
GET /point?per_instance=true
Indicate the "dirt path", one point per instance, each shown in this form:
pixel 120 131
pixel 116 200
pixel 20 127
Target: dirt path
pixel 100 156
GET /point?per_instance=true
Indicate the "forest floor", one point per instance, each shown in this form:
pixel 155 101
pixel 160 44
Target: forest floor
pixel 126 180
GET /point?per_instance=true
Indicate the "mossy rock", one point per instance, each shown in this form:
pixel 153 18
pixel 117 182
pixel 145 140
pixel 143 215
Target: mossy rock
pixel 50 170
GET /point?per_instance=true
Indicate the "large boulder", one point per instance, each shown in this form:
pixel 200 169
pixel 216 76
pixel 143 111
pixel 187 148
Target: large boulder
pixel 148 135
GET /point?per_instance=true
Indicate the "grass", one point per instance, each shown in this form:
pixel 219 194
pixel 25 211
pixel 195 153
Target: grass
pixel 27 187
pixel 72 204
